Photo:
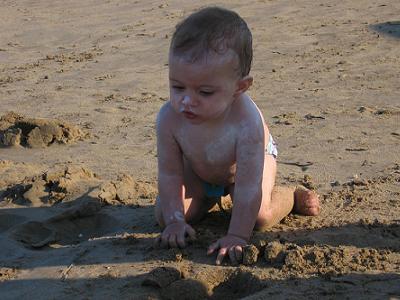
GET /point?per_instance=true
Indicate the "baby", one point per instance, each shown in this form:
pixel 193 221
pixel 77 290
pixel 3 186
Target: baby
pixel 212 139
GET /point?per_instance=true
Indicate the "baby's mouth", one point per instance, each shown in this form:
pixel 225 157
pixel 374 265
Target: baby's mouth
pixel 189 114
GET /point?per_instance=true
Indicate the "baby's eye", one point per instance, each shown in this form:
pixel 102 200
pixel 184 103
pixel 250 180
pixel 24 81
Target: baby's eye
pixel 177 87
pixel 206 93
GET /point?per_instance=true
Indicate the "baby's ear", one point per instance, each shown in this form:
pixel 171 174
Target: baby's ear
pixel 243 85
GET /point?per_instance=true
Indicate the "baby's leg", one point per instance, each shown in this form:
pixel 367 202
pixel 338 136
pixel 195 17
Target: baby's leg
pixel 196 204
pixel 278 201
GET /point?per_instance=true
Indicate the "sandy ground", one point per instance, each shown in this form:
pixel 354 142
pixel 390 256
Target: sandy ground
pixel 85 79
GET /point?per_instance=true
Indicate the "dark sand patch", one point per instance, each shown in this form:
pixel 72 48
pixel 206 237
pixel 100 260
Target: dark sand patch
pixel 8 220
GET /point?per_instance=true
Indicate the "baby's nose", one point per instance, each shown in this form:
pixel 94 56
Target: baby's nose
pixel 186 100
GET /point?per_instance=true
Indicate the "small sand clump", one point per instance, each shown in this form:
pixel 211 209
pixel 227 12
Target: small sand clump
pixel 274 252
pixel 250 255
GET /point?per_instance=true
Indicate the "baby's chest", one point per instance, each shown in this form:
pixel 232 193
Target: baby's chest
pixel 211 151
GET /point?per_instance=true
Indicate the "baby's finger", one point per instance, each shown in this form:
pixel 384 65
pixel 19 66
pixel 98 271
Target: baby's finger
pixel 221 254
pixel 164 241
pixel 212 248
pixel 238 253
pixel 181 241
pixel 172 241
pixel 157 242
pixel 191 232
pixel 232 256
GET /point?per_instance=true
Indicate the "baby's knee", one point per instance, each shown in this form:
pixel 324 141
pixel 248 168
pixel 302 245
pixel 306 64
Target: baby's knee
pixel 264 220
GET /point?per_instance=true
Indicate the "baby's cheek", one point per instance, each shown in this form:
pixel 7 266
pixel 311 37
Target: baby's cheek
pixel 174 102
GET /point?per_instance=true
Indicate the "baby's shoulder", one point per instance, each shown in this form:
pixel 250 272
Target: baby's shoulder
pixel 166 116
pixel 248 113
pixel 249 122
pixel 166 112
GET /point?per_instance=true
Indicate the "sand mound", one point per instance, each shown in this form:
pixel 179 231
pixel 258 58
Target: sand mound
pixel 237 285
pixel 51 187
pixel 67 183
pixel 334 260
pixel 185 289
pixel 17 130
pixel 326 259
pixel 207 283
pixel 14 172
pixel 126 190
pixel 162 277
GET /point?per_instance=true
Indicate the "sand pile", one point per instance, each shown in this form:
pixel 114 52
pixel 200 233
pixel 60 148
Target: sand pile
pixel 64 184
pixel 50 187
pixel 175 283
pixel 126 190
pixel 17 130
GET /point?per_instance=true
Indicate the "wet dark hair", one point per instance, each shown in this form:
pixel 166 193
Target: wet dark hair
pixel 216 29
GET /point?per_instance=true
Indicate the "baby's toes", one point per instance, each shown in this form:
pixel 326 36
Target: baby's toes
pixel 306 202
pixel 313 210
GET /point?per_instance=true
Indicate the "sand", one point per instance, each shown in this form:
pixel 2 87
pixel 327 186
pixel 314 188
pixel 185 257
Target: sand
pixel 80 86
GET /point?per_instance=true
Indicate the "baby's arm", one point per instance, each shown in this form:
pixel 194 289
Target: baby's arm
pixel 170 181
pixel 247 193
pixel 248 182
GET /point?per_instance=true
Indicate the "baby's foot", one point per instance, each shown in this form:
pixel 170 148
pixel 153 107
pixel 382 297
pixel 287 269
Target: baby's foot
pixel 306 202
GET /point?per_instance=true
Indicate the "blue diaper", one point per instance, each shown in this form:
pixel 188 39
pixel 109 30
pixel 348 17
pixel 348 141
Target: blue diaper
pixel 213 190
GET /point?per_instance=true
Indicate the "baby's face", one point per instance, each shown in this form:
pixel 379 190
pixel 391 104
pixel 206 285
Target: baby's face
pixel 203 90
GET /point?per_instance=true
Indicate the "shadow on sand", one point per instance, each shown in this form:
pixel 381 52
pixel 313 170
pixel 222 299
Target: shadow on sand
pixel 390 28
pixel 239 285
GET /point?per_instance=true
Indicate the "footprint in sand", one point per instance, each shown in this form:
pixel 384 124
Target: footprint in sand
pixel 76 224
pixel 8 221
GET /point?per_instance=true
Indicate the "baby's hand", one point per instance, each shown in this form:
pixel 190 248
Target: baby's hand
pixel 229 244
pixel 174 235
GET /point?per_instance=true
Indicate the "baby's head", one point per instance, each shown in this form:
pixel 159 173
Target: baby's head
pixel 209 64
pixel 214 30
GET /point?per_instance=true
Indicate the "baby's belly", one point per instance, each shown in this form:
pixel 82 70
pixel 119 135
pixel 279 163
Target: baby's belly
pixel 223 175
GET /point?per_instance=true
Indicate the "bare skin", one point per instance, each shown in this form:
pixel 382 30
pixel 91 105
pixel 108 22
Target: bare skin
pixel 211 131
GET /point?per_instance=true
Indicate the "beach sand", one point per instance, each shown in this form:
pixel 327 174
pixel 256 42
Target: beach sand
pixel 81 83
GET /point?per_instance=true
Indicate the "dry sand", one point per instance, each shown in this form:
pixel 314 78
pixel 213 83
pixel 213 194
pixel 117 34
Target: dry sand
pixel 85 80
